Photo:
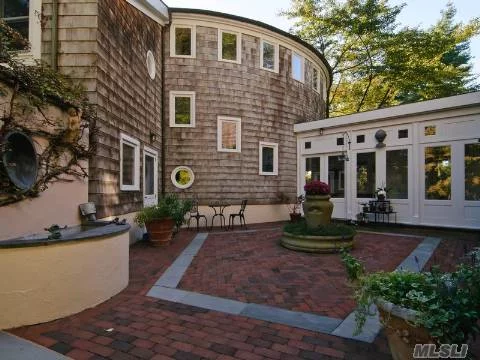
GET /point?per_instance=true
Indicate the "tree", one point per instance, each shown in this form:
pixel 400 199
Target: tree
pixel 375 64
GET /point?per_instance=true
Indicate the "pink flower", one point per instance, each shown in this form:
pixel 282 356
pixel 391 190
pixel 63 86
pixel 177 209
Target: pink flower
pixel 317 188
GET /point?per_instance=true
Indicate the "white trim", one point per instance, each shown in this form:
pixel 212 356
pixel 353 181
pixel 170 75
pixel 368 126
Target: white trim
pixel 238 134
pixel 276 59
pixel 173 95
pixel 193 40
pixel 251 30
pixel 154 9
pixel 238 35
pixel 149 200
pixel 136 162
pixel 407 112
pixel 174 180
pixel 302 66
pixel 261 145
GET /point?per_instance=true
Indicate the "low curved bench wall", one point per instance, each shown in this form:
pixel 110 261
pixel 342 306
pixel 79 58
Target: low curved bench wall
pixel 49 280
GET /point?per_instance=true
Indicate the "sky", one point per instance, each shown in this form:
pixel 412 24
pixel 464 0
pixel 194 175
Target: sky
pixel 422 13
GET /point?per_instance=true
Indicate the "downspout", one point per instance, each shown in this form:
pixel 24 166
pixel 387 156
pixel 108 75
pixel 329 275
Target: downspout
pixel 162 114
pixel 54 29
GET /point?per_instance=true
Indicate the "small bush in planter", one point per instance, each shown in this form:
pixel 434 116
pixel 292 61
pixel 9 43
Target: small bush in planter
pixel 170 206
pixel 447 305
pixel 301 228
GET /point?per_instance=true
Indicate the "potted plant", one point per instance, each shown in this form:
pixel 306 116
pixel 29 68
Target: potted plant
pixel 317 206
pixel 293 206
pixel 419 308
pixel 381 193
pixel 162 219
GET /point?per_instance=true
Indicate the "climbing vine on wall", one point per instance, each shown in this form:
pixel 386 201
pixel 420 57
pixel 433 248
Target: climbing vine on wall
pixel 50 108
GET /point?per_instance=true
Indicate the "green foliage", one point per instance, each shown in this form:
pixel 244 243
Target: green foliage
pixel 170 206
pixel 355 268
pixel 300 228
pixel 35 87
pixel 375 64
pixel 448 304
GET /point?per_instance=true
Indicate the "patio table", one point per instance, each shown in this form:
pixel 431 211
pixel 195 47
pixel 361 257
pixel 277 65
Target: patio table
pixel 218 208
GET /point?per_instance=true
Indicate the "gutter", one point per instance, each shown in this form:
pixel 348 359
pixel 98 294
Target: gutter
pixel 162 115
pixel 54 29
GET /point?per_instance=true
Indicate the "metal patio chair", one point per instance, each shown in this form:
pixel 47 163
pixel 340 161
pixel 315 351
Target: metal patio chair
pixel 194 214
pixel 240 214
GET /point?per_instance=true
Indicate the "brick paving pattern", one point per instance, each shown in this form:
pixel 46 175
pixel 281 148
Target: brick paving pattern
pixel 256 269
pixel 133 326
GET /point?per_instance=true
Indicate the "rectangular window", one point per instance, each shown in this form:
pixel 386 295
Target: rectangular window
pixel 182 109
pixel 298 67
pixel 182 41
pixel 312 169
pixel 315 80
pixel 472 172
pixel 129 163
pixel 430 130
pixel 268 158
pixel 397 174
pixel 360 139
pixel 403 134
pixel 340 141
pixel 308 144
pixel 336 176
pixel 229 46
pixel 229 134
pixel 15 13
pixel 269 56
pixel 366 175
pixel 438 172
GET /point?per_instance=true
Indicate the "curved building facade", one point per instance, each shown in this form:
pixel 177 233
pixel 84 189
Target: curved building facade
pixel 233 90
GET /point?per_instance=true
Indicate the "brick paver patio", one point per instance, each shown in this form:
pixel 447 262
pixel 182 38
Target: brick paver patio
pixel 134 326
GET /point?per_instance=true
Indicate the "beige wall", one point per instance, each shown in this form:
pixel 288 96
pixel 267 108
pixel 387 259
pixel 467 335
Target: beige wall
pixel 57 205
pixel 58 280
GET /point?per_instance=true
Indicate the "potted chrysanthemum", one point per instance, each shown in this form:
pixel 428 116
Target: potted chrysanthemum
pixel 317 206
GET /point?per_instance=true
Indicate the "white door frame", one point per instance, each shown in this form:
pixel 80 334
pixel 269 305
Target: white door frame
pixel 149 200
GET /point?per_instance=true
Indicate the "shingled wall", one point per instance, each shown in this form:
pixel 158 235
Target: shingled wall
pixel 269 104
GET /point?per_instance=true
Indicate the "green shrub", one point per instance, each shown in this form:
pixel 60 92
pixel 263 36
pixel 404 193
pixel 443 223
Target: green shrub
pixel 300 228
pixel 355 268
pixel 169 206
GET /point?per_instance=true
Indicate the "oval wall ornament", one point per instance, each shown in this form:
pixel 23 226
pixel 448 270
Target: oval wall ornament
pixel 19 159
pixel 151 65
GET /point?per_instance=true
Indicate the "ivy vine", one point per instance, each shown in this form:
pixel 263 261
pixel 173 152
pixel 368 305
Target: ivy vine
pixel 29 92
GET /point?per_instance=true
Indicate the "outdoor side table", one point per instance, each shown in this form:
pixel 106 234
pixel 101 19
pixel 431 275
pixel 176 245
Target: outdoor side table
pixel 219 208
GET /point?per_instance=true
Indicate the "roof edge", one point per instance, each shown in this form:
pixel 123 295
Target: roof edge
pixel 258 23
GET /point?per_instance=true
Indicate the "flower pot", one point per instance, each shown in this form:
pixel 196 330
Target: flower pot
pixel 295 217
pixel 381 197
pixel 401 334
pixel 160 231
pixel 318 210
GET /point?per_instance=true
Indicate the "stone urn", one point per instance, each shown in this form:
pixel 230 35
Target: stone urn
pixel 318 210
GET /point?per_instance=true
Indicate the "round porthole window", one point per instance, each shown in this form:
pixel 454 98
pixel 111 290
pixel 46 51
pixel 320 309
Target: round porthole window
pixel 151 65
pixel 182 177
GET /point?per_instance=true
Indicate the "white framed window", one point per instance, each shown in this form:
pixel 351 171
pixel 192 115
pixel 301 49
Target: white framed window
pixel 25 17
pixel 229 134
pixel 229 46
pixel 316 80
pixel 298 67
pixel 129 163
pixel 182 109
pixel 268 158
pixel 269 56
pixel 183 40
pixel 150 176
pixel 182 177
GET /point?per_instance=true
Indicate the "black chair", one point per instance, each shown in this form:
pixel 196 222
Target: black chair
pixel 240 214
pixel 194 214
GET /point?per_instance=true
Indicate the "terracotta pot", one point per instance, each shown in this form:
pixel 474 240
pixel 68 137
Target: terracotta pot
pixel 401 334
pixel 295 217
pixel 160 231
pixel 318 210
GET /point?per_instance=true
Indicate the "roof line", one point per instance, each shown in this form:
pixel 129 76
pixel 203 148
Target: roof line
pixel 258 23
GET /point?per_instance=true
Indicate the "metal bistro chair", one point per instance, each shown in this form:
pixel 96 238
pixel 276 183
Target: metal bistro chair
pixel 240 214
pixel 195 214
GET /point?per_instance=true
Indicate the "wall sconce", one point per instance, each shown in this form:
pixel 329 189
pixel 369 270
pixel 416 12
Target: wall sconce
pixel 380 135
pixel 153 137
pixel 320 131
pixel 344 156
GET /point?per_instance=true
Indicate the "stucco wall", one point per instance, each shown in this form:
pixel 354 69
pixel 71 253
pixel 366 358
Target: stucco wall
pixel 128 100
pixel 268 103
pixel 58 280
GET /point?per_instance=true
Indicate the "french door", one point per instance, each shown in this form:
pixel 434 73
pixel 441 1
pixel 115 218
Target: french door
pixel 150 177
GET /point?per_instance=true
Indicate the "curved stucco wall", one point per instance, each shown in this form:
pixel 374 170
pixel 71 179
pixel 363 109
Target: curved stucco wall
pixel 44 283
pixel 268 104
